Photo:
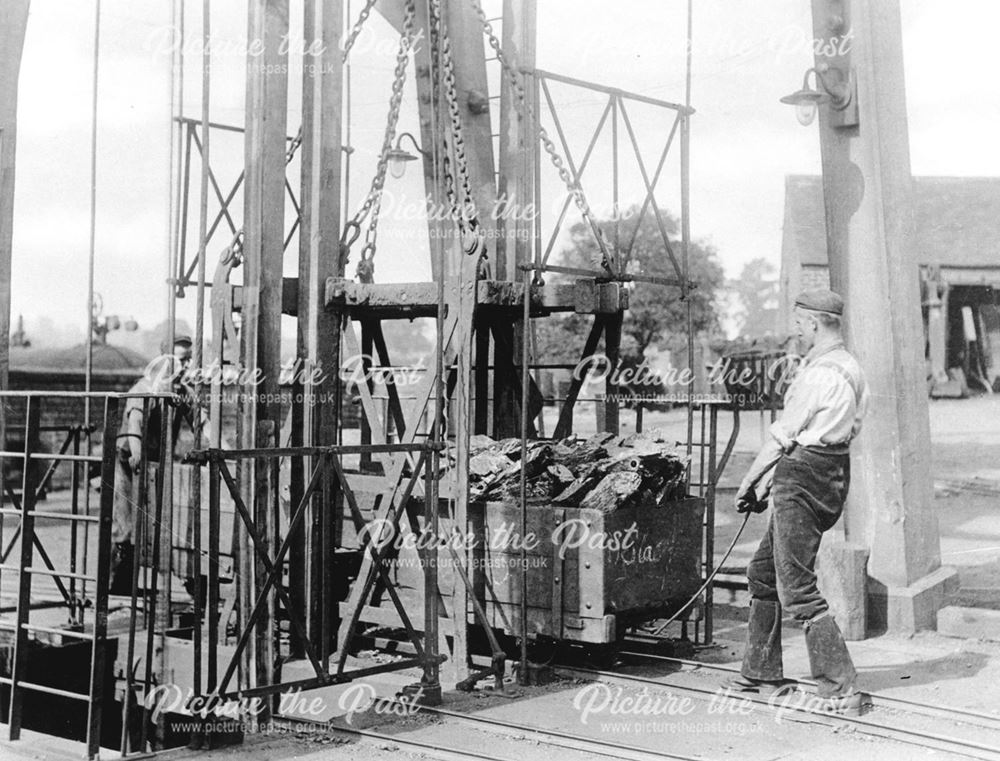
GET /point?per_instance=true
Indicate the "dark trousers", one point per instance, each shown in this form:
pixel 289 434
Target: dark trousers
pixel 807 499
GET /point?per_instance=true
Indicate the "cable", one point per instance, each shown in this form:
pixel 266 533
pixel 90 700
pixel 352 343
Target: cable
pixel 93 216
pixel 89 356
pixel 708 581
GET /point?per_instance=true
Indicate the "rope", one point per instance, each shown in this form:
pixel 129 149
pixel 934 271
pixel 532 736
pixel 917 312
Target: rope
pixel 176 109
pixel 206 68
pixel 686 235
pixel 346 206
pixel 93 216
pixel 89 369
pixel 199 328
pixel 517 87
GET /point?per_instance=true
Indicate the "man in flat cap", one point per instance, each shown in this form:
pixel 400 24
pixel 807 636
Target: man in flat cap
pixel 140 434
pixel 804 468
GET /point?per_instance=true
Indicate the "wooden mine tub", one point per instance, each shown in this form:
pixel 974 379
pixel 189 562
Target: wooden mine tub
pixel 589 573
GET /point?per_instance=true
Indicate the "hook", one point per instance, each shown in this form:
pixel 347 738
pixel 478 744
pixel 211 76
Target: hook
pixel 344 240
pixel 366 267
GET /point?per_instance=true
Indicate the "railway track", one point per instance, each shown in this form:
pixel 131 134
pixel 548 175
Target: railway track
pixel 586 746
pixel 965 715
pixel 593 746
pixel 987 751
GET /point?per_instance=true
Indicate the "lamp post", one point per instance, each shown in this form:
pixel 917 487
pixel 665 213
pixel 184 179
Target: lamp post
pixel 104 324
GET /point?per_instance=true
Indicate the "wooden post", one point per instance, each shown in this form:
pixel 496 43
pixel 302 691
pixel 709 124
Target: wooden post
pixel 468 52
pixel 466 33
pixel 515 181
pixel 259 409
pixel 13 24
pixel 867 189
pixel 316 419
pixel 516 197
pixel 460 273
pixel 936 325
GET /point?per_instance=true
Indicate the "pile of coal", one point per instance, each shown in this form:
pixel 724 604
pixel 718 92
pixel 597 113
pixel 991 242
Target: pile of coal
pixel 604 472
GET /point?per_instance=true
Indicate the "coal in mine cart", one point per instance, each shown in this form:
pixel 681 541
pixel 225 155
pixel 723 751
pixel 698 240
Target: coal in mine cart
pixel 612 538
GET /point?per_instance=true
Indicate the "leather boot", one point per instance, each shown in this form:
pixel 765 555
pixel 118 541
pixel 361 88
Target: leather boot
pixel 762 657
pixel 829 660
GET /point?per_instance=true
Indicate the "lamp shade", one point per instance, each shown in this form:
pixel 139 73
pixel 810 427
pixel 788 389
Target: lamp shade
pixel 806 101
pixel 397 159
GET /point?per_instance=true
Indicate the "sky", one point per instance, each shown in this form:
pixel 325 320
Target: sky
pixel 746 54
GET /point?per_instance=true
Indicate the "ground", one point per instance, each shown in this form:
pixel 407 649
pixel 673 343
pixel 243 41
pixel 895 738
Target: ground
pixel 927 668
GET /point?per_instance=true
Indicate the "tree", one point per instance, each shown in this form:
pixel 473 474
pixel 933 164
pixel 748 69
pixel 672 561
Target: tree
pixel 656 315
pixel 757 292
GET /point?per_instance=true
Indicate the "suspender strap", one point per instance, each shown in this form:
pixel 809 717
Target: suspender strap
pixel 855 385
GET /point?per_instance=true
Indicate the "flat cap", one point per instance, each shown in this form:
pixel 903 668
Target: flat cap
pixel 820 300
pixel 181 339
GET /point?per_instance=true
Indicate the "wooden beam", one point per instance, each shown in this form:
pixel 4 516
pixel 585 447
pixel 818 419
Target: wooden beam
pixel 516 191
pixel 264 215
pixel 460 272
pixel 316 418
pixel 518 139
pixel 612 348
pixel 13 24
pixel 937 324
pixel 420 299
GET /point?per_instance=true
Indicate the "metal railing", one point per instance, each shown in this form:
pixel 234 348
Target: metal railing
pixel 85 564
pixel 614 114
pixel 317 508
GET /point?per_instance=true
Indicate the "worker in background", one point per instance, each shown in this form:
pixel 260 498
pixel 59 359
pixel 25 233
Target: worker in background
pixel 805 469
pixel 165 375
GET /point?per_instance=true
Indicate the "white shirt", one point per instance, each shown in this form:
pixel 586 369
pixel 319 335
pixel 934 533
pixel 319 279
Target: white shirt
pixel 826 401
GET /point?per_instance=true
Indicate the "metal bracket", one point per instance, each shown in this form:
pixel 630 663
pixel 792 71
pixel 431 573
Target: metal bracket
pixel 557 578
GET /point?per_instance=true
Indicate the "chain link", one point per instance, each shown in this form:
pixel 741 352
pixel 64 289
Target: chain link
pixel 462 211
pixel 358 25
pixel 373 200
pixel 572 185
pixel 234 251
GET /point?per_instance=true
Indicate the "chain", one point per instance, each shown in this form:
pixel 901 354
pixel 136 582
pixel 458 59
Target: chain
pixel 572 185
pixel 373 201
pixel 293 146
pixel 358 25
pixel 234 251
pixel 464 212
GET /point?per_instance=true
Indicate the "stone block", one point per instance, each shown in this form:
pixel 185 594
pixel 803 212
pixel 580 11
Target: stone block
pixel 842 577
pixel 969 623
pixel 904 610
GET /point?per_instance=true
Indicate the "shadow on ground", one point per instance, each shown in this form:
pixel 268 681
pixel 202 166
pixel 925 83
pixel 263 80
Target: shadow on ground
pixel 920 672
